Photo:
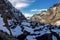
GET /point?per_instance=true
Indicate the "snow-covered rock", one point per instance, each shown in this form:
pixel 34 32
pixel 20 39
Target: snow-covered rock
pixel 17 31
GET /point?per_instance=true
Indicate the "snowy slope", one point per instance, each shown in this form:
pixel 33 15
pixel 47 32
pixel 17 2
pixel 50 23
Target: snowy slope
pixel 39 30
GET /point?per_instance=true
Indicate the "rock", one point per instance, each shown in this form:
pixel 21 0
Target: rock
pixel 11 16
pixel 44 37
pixel 5 36
pixel 51 16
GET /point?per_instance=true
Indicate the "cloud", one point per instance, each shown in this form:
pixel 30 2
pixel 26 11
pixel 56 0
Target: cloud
pixel 21 3
pixel 28 15
pixel 38 10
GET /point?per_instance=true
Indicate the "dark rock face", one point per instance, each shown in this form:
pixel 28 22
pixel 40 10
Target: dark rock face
pixel 8 12
pixel 48 36
pixel 23 36
pixel 44 37
pixel 5 36
pixel 11 17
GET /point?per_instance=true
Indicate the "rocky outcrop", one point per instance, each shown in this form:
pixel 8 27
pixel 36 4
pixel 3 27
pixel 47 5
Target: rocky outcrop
pixel 51 16
pixel 10 14
pixel 5 36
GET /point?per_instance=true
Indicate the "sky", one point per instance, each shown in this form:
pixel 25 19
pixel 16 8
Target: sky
pixel 30 7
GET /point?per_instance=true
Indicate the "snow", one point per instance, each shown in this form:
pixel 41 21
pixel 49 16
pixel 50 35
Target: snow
pixel 57 23
pixel 29 29
pixel 30 37
pixel 54 38
pixel 25 23
pixel 44 31
pixel 39 27
pixel 56 30
pixel 37 32
pixel 3 27
pixel 54 8
pixel 9 22
pixel 17 31
pixel 44 13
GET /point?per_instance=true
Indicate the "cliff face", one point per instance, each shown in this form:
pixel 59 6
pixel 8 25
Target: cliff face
pixel 9 11
pixel 10 15
pixel 52 15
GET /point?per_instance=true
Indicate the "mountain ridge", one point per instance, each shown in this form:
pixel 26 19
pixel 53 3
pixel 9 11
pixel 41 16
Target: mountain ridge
pixel 50 16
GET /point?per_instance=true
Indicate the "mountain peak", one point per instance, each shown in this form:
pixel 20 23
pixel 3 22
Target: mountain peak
pixel 56 5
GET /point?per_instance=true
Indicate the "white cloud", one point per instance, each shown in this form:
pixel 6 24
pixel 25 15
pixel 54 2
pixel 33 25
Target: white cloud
pixel 28 15
pixel 21 3
pixel 38 10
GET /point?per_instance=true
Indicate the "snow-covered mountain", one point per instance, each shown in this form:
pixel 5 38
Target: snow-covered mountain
pixel 16 27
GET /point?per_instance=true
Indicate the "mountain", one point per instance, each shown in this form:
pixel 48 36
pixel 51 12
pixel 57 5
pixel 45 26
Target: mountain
pixel 14 26
pixel 51 16
pixel 10 14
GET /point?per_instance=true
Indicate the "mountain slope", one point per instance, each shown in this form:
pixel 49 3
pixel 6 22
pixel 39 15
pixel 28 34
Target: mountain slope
pixel 51 16
pixel 10 14
pixel 16 26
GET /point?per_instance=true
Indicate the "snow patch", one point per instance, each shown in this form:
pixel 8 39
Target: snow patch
pixel 2 27
pixel 29 30
pixel 57 23
pixel 17 31
pixel 25 23
pixel 54 38
pixel 30 38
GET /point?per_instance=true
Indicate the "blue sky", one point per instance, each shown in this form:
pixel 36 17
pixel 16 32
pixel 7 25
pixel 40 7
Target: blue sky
pixel 29 7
